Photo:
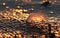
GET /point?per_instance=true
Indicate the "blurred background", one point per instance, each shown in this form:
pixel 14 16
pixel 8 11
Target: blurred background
pixel 29 19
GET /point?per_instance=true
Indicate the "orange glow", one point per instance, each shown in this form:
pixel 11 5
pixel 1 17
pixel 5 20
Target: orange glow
pixel 36 17
pixel 45 0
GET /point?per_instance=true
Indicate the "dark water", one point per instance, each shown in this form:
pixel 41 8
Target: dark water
pixel 37 7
